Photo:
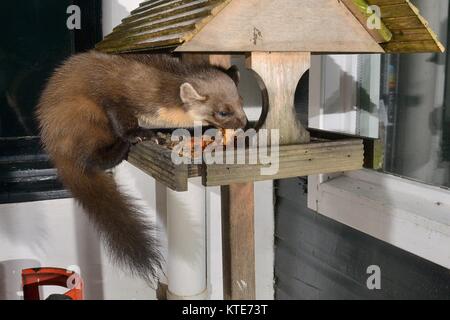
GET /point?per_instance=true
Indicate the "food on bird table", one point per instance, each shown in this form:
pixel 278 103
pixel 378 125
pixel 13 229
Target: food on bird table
pixel 196 145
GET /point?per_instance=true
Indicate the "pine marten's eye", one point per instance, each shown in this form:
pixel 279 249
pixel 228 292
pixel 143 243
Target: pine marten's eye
pixel 224 114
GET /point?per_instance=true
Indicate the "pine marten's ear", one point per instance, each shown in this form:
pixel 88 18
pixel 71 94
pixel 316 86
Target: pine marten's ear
pixel 233 73
pixel 188 94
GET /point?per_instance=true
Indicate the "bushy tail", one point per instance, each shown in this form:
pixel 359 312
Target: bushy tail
pixel 129 237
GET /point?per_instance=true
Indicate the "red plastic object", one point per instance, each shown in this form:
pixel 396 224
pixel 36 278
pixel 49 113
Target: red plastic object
pixel 33 278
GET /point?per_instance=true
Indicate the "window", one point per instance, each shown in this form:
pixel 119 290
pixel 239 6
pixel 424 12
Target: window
pixel 35 41
pixel 406 202
pixel 402 99
pixel 415 122
pixel 346 92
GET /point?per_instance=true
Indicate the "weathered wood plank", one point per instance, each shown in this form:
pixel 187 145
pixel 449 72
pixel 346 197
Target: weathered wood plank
pixel 166 7
pixel 149 29
pixel 238 241
pixel 181 10
pixel 396 10
pixel 301 168
pixel 410 46
pixel 157 24
pixel 360 9
pixel 167 180
pixel 405 28
pixel 294 160
pixel 417 34
pixel 288 25
pixel 156 161
pixel 385 2
pixel 279 74
pixel 286 158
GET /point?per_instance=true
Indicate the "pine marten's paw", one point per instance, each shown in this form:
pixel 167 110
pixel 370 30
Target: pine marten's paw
pixel 140 134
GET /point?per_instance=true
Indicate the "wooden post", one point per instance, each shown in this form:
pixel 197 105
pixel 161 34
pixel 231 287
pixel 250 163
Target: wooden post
pixel 238 241
pixel 279 74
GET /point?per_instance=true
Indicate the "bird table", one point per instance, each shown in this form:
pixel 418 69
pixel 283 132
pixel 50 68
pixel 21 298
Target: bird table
pixel 277 38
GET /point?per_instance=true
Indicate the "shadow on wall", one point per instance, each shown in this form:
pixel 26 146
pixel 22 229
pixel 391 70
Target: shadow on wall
pixel 11 277
pixel 249 89
pixel 301 100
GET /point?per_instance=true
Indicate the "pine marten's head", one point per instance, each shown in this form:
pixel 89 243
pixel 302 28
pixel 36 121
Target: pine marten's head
pixel 212 97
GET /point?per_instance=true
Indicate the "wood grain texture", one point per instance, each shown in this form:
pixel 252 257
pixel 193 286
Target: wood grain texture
pixel 156 161
pixel 373 154
pixel 279 74
pixel 222 60
pixel 410 31
pixel 292 161
pixel 360 9
pixel 270 25
pixel 238 241
pixel 282 25
pixel 319 156
pixel 161 24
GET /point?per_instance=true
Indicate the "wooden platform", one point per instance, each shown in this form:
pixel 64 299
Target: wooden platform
pixel 156 161
pixel 319 156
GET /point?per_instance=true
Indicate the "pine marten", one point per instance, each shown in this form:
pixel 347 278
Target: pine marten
pixel 93 109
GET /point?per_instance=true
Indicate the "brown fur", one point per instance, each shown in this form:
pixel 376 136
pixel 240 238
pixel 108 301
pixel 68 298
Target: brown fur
pixel 89 115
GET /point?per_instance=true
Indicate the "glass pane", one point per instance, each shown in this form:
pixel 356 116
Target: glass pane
pixel 350 93
pixel 415 108
pixel 34 40
pixel 402 99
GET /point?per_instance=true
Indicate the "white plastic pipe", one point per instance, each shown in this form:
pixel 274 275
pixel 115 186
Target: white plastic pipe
pixel 186 228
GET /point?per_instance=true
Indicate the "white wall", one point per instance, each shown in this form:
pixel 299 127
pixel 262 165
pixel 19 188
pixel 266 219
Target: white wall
pixel 114 11
pixel 56 233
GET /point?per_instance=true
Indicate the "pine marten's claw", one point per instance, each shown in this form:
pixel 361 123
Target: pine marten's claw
pixel 133 140
pixel 139 135
pixel 137 140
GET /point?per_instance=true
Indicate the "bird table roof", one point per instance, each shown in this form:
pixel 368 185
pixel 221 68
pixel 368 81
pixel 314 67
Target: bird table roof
pixel 272 25
pixel 407 30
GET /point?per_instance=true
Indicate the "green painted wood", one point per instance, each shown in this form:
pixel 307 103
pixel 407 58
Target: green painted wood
pixel 363 7
pixel 158 24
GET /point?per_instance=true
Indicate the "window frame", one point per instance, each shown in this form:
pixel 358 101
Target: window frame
pixel 400 211
pixel 347 98
pixel 82 40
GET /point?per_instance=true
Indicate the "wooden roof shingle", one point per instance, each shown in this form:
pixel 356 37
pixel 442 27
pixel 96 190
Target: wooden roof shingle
pixel 410 32
pixel 310 25
pixel 160 24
